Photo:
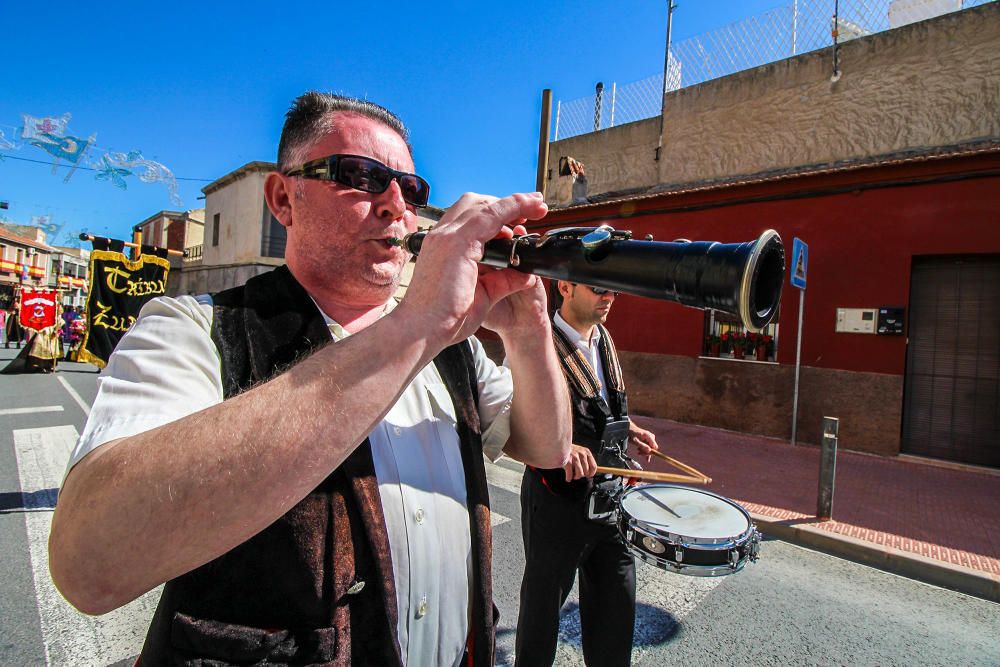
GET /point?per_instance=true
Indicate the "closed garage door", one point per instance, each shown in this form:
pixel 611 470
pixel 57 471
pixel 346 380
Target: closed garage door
pixel 951 407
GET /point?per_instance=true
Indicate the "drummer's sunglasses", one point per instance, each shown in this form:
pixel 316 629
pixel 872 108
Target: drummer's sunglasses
pixel 600 291
pixel 365 174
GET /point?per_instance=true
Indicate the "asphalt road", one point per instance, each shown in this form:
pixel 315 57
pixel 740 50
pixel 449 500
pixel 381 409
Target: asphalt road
pixel 792 607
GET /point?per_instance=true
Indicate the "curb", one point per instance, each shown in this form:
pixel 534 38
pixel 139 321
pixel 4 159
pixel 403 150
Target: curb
pixel 889 559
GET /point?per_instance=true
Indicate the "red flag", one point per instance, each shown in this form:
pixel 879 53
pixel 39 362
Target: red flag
pixel 38 309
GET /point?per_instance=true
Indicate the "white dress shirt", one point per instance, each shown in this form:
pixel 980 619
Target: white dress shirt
pixel 167 366
pixel 589 348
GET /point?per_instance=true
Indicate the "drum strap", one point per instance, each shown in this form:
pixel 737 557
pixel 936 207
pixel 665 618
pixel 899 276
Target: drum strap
pixel 578 369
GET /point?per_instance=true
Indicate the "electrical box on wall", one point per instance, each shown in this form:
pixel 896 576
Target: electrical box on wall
pixel 856 320
pixel 890 320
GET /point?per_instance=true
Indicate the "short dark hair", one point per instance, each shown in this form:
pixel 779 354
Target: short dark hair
pixel 309 118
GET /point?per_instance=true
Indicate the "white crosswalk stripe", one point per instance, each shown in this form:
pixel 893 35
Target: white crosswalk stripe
pixel 69 637
pixel 31 411
pixel 74 395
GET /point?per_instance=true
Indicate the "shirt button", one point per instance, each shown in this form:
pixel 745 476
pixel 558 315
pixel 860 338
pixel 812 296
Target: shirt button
pixel 422 607
pixel 397 430
pixel 419 516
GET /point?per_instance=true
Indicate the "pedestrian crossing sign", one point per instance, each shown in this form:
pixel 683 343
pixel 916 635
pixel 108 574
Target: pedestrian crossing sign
pixel 800 263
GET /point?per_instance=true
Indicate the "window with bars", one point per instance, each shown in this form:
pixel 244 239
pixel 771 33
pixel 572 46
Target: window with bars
pixel 274 236
pixel 725 337
pixel 216 222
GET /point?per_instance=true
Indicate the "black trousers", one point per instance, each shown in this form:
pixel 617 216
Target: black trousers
pixel 558 541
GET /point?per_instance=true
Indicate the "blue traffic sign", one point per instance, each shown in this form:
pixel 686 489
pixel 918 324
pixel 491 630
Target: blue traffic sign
pixel 800 263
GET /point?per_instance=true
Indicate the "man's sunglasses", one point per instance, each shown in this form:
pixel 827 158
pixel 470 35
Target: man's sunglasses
pixel 600 291
pixel 365 174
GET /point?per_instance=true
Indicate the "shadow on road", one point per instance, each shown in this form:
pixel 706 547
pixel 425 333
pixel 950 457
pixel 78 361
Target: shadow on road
pixel 653 627
pixel 44 499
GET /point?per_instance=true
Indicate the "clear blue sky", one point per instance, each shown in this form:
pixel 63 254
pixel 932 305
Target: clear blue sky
pixel 202 87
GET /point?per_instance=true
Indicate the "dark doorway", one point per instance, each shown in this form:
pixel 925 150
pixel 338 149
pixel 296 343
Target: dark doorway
pixel 951 404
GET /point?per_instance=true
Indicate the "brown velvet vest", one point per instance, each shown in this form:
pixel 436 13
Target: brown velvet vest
pixel 317 585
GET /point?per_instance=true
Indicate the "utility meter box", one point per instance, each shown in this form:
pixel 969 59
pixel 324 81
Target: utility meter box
pixel 890 320
pixel 856 320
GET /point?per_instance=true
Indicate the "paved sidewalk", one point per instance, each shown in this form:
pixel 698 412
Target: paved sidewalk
pixel 929 522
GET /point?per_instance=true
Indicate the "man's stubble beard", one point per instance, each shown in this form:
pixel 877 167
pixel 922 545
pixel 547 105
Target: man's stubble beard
pixel 381 279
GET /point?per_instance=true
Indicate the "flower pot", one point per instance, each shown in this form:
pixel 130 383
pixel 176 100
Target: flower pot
pixel 761 353
pixel 737 353
pixel 713 350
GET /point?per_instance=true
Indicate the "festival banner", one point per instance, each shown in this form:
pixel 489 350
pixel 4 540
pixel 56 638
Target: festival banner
pixel 67 148
pixel 38 309
pixel 6 144
pixel 118 165
pixel 119 288
pixel 37 128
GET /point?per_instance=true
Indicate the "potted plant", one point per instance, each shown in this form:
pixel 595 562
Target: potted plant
pixel 763 347
pixel 724 343
pixel 738 342
pixel 713 344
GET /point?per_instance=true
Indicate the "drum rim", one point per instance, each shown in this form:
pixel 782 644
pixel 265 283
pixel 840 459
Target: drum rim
pixel 689 541
pixel 691 570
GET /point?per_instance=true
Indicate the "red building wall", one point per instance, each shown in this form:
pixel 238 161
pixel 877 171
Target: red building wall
pixel 861 244
pixel 863 226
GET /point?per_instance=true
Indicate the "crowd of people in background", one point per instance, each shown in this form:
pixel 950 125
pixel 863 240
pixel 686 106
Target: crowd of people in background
pixel 73 329
pixel 42 349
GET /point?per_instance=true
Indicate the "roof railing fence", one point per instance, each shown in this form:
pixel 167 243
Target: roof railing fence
pixel 800 27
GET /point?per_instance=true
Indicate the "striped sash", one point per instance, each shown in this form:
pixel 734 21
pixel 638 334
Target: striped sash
pixel 578 370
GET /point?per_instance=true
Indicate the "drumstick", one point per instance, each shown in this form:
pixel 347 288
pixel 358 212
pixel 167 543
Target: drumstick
pixel 677 464
pixel 653 476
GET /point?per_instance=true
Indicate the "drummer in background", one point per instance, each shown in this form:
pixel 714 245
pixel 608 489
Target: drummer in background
pixel 560 535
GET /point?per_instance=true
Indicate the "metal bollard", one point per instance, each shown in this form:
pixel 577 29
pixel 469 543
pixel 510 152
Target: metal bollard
pixel 827 468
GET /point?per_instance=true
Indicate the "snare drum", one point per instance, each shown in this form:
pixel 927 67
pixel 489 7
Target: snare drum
pixel 685 530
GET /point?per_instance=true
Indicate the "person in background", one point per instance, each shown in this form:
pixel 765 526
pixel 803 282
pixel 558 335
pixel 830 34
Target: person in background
pixel 15 333
pixel 565 511
pixel 70 334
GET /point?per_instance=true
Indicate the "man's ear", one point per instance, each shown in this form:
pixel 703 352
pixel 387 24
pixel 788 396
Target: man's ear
pixel 278 195
pixel 565 288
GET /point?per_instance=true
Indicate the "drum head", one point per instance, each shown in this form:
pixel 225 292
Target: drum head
pixel 685 512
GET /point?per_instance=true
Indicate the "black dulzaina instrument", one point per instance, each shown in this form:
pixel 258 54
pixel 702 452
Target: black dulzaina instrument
pixel 743 279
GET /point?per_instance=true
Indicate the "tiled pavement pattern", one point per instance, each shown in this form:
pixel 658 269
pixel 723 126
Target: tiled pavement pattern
pixel 940 513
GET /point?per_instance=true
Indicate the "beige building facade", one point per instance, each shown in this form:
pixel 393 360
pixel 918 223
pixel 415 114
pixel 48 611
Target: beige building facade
pixel 175 230
pixel 240 237
pixel 69 271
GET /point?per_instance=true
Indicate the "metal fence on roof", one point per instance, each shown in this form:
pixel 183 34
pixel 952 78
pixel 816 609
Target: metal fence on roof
pixel 800 27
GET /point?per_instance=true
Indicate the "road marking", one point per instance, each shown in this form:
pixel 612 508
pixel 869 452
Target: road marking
pixel 502 476
pixel 76 397
pixel 69 637
pixel 506 475
pixel 28 411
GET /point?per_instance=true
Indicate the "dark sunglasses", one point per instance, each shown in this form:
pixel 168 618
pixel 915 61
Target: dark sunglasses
pixel 600 291
pixel 365 174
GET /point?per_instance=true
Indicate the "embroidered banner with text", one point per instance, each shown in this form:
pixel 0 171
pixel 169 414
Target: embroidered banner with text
pixel 119 288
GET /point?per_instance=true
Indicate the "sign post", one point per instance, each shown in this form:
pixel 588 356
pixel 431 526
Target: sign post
pixel 800 264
